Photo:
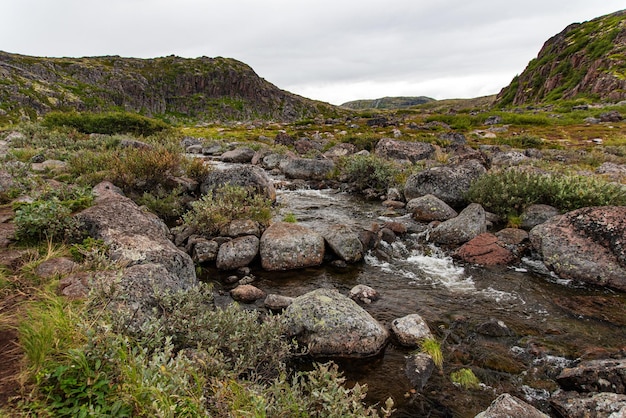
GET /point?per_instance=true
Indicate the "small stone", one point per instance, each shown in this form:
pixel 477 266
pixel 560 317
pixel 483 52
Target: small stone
pixel 247 293
pixel 277 302
pixel 364 294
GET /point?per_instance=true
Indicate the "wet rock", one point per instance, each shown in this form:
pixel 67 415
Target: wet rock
pixel 247 293
pixel 609 309
pixel 404 151
pixel 332 325
pixel 344 242
pixel 239 155
pixel 387 235
pixel 589 405
pixel 277 302
pixel 595 376
pixel 364 294
pixel 507 406
pixel 272 161
pixel 585 245
pixel 410 330
pixel 307 169
pixel 537 214
pixel 241 227
pixel 429 208
pixel 244 176
pixel 286 246
pixel 418 369
pixel 237 253
pixel 448 183
pixel 487 250
pixel 494 328
pixel 470 223
pixel 55 267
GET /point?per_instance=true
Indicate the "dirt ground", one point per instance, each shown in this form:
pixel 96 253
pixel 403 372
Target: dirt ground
pixel 10 356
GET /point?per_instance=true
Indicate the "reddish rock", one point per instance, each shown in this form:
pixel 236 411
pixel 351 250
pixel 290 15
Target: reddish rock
pixel 485 249
pixel 247 293
pixel 55 266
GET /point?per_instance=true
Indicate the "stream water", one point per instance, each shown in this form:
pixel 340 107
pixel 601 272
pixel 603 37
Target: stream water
pixel 549 328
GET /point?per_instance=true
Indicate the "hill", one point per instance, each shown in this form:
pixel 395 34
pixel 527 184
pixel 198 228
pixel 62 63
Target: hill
pixel 387 103
pixel 172 87
pixel 585 60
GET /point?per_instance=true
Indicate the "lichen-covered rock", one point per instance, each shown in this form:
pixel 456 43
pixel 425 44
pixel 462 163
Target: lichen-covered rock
pixel 448 183
pixel 237 253
pixel 244 176
pixel 410 330
pixel 332 325
pixel 277 302
pixel 537 214
pixel 205 251
pixel 587 245
pixel 589 405
pixel 470 223
pixel 429 208
pixel 507 406
pixel 364 294
pixel 595 376
pixel 307 169
pixel 286 246
pixel 344 242
pixel 404 151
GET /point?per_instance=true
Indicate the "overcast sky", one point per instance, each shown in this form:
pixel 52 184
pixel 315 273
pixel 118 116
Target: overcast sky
pixel 330 50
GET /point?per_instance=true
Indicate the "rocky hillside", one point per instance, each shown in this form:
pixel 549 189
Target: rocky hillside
pixel 387 103
pixel 202 88
pixel 584 60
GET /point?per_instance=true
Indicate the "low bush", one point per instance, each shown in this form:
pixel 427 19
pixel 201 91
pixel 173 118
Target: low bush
pixel 105 123
pixel 229 202
pixel 507 193
pixel 368 172
pixel 167 204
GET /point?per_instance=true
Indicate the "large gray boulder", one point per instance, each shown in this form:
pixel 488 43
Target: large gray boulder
pixel 470 223
pixel 237 253
pixel 307 169
pixel 344 242
pixel 586 405
pixel 332 325
pixel 585 245
pixel 410 330
pixel 537 214
pixel 507 406
pixel 286 246
pixel 238 155
pixel 404 151
pixel 448 183
pixel 244 176
pixel 429 208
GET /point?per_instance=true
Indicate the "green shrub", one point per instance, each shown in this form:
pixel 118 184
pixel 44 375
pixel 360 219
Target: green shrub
pixel 290 217
pixel 508 192
pixel 229 202
pixel 465 378
pixel 143 168
pixel 369 172
pixel 167 204
pixel 105 123
pixel 363 142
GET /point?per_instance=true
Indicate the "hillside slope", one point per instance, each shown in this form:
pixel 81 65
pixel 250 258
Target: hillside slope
pixel 584 60
pixel 387 103
pixel 201 88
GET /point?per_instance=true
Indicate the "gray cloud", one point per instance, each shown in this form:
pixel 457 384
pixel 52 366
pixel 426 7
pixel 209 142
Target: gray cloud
pixel 328 50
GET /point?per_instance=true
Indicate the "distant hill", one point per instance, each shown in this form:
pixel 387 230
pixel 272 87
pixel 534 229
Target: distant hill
pixel 201 88
pixel 387 103
pixel 584 60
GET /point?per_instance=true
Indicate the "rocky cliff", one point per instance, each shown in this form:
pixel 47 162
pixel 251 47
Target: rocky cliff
pixel 201 88
pixel 584 60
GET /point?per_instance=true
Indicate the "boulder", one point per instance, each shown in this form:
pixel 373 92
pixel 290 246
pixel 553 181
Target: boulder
pixel 237 253
pixel 272 161
pixel 241 155
pixel 429 208
pixel 494 328
pixel 55 266
pixel 363 294
pixel 448 183
pixel 485 249
pixel 410 330
pixel 277 302
pixel 470 223
pixel 332 325
pixel 241 227
pixel 244 176
pixel 595 376
pixel 205 251
pixel 404 151
pixel 585 245
pixel 588 405
pixel 418 369
pixel 247 293
pixel 508 158
pixel 307 169
pixel 340 150
pixel 344 242
pixel 286 246
pixel 507 406
pixel 537 214
pixel 134 236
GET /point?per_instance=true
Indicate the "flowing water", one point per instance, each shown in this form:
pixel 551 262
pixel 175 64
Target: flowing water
pixel 414 277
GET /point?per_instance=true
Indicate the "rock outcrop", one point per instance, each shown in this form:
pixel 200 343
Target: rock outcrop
pixel 587 245
pixel 286 246
pixel 404 151
pixel 332 325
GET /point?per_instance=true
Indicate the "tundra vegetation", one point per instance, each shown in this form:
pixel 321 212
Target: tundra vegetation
pixel 193 358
